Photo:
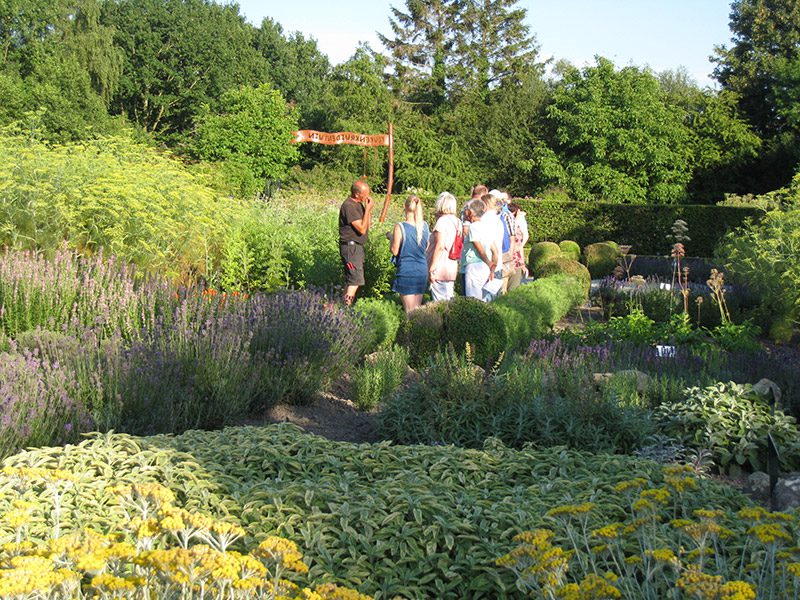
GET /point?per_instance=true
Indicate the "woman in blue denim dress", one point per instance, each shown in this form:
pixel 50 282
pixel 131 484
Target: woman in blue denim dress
pixel 409 246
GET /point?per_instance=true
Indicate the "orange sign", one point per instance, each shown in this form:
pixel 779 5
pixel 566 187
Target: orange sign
pixel 342 137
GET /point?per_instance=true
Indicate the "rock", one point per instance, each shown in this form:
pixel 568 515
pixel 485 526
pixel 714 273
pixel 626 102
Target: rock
pixel 787 492
pixel 767 388
pixel 758 485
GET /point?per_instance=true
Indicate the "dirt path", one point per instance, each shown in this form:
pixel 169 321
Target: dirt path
pixel 329 416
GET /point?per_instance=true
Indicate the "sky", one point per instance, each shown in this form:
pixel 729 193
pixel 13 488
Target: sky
pixel 661 34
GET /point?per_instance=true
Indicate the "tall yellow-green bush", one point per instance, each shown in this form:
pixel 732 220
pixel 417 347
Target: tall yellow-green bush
pixel 138 203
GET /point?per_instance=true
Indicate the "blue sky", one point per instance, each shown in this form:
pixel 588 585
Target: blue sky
pixel 662 34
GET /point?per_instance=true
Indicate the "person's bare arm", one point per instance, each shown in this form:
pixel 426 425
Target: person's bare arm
pixel 362 225
pixel 437 241
pixel 397 239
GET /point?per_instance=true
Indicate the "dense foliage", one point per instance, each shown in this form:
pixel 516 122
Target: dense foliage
pixel 387 520
pixel 462 82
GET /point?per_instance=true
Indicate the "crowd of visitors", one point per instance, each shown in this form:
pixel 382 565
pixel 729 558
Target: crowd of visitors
pixel 484 245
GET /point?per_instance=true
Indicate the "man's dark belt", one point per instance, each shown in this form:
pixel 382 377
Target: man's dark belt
pixel 350 243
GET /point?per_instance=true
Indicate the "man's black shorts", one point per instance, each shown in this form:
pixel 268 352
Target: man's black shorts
pixel 353 261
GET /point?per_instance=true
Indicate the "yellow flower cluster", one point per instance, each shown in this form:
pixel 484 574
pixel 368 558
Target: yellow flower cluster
pixel 695 583
pixel 37 474
pixel 536 560
pixel 282 552
pixel 88 564
pixel 571 510
pixel 770 533
pixel 592 587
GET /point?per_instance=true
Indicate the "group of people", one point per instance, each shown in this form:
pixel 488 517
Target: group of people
pixel 483 243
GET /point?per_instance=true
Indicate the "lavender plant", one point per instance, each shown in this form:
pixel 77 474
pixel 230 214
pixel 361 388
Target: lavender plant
pixel 71 292
pixel 37 403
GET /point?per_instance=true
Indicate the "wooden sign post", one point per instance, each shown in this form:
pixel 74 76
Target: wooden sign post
pixel 355 139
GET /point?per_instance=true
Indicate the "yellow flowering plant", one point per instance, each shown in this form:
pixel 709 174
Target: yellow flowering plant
pixel 710 554
pixel 157 550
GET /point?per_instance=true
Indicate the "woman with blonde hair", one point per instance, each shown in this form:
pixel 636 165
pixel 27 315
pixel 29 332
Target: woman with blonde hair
pixel 408 245
pixel 443 270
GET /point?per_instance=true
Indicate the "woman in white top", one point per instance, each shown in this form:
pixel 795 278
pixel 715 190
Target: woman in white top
pixel 480 254
pixel 442 270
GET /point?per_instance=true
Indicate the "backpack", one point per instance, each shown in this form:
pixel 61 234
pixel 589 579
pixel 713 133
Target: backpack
pixel 458 245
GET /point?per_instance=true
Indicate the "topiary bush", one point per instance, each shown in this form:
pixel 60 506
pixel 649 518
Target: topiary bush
pixel 600 258
pixel 470 321
pixel 420 332
pixel 382 319
pixel 531 310
pixel 540 253
pixel 571 249
pixel 562 265
pixel 460 322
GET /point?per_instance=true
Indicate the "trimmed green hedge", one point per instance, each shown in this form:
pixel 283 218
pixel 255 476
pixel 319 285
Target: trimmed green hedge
pixel 644 227
pixel 532 309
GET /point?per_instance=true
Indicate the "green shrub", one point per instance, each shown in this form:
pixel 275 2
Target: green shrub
pixel 540 253
pixel 459 322
pixel 531 310
pixel 571 249
pixel 421 331
pixel 382 321
pixel 470 321
pixel 765 257
pixel 733 422
pixel 378 378
pixel 137 203
pixel 458 403
pixel 561 265
pixel 600 258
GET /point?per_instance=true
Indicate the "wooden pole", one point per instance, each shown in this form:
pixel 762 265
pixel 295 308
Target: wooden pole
pixel 391 175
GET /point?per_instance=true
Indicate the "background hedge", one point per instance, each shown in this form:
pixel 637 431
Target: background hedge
pixel 644 227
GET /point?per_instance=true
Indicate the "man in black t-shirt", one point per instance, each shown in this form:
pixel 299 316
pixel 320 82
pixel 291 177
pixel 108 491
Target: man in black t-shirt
pixel 355 217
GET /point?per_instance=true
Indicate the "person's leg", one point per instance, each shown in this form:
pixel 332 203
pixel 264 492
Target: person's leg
pixel 439 291
pixel 475 277
pixel 350 294
pixel 449 289
pixel 353 261
pixel 515 279
pixel 411 302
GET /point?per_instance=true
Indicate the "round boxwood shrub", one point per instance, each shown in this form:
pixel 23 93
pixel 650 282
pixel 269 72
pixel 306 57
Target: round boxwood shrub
pixel 600 258
pixel 421 332
pixel 540 254
pixel 470 321
pixel 570 249
pixel 382 319
pixel 561 265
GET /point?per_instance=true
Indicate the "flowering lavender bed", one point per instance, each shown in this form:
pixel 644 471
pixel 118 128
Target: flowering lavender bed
pixel 89 344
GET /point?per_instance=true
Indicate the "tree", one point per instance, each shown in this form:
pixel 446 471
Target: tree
pixel 57 60
pixel 179 55
pixel 617 137
pixel 298 69
pixel 722 144
pixel 423 47
pixel 495 45
pixel 250 137
pixel 766 35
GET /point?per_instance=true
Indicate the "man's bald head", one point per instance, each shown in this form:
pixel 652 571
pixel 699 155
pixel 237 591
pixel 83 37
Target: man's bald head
pixel 359 190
